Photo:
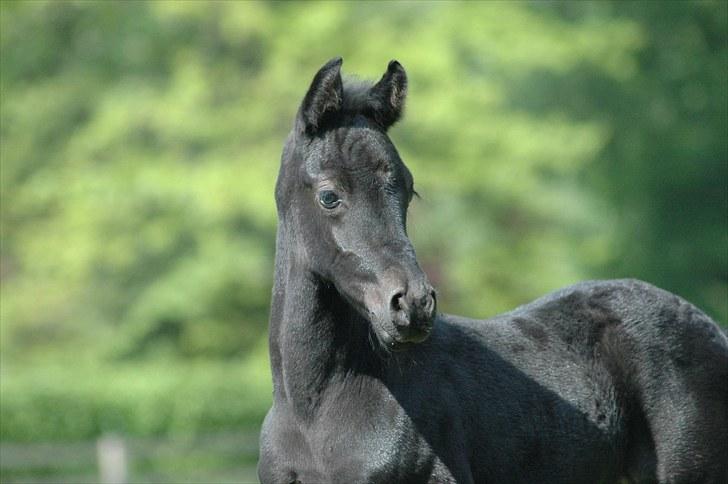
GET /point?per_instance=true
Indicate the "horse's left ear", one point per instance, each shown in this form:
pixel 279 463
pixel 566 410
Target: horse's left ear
pixel 386 98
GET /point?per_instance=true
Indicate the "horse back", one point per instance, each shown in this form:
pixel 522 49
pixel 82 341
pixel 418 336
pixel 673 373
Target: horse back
pixel 634 368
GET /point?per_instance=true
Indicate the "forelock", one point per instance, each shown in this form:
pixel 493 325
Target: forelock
pixel 356 92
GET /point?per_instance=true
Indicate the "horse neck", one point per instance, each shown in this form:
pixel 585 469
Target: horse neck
pixel 316 338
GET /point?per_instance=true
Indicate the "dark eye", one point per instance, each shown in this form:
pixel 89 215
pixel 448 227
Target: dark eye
pixel 329 199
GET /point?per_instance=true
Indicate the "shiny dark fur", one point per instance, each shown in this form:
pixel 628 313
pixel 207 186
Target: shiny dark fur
pixel 599 382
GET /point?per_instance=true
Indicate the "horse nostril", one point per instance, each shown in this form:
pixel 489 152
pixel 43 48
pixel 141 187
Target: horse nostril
pixel 398 301
pixel 400 310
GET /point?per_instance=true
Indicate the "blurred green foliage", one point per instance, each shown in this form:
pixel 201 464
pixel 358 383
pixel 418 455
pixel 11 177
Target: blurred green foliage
pixel 50 403
pixel 550 141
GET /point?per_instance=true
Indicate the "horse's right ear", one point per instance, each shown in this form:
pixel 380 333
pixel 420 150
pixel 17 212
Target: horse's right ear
pixel 324 97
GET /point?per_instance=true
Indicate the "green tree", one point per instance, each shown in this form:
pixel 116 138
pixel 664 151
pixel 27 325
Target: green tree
pixel 139 144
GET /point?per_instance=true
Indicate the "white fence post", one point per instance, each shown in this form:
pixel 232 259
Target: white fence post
pixel 113 461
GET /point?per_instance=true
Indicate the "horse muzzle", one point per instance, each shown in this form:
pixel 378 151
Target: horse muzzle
pixel 412 313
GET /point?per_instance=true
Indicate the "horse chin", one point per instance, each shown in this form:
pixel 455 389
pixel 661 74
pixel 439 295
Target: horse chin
pixel 393 341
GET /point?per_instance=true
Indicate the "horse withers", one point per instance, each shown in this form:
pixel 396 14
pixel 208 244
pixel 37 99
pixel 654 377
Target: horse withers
pixel 603 381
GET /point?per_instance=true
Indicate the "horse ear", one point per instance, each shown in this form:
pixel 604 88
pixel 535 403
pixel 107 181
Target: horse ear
pixel 386 97
pixel 324 97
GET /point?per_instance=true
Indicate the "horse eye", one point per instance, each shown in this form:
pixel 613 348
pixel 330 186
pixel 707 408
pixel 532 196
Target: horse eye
pixel 329 199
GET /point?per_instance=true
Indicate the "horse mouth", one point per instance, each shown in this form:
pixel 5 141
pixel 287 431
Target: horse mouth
pixel 403 342
pixel 386 333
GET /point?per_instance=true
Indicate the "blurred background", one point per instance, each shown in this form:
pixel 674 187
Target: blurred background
pixel 551 142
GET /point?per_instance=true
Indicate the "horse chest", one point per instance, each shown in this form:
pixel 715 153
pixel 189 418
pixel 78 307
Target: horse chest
pixel 340 447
